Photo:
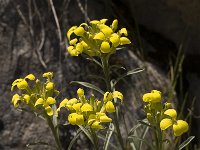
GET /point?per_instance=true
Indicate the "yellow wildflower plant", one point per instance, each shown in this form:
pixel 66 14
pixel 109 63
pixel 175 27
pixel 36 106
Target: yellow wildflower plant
pixel 89 112
pixel 22 84
pixel 164 114
pixel 179 126
pixel 96 38
pixel 38 96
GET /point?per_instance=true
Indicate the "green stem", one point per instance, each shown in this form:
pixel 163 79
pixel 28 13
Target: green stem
pixel 106 70
pixel 95 139
pixel 55 132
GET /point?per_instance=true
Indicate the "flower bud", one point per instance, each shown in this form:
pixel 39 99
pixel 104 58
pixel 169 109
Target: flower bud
pixel 80 92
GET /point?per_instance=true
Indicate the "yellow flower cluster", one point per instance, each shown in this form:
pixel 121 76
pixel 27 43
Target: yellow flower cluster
pixel 96 38
pixel 162 113
pixel 90 112
pixel 39 96
pixel 179 126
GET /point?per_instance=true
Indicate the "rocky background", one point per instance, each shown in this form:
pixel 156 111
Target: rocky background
pixel 32 40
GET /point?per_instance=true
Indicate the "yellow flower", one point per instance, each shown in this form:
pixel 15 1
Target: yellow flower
pixel 105 47
pixel 79 31
pixel 47 74
pixel 103 21
pixel 46 104
pixel 71 30
pixel 73 51
pixel 165 123
pixel 99 36
pixel 180 127
pixel 72 118
pixel 26 98
pixel 123 31
pixel 80 92
pixel 115 39
pixel 73 42
pixel 117 94
pixel 124 40
pixel 30 77
pixel 105 118
pixel 110 106
pixel 96 125
pixel 63 104
pixel 171 112
pixel 22 83
pixel 86 107
pixel 50 86
pixel 15 99
pixel 77 106
pixel 153 97
pixel 107 97
pixel 114 25
pixel 76 119
pixel 107 31
pixel 94 22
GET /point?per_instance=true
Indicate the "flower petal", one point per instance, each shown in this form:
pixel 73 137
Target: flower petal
pixel 171 112
pixel 86 107
pixel 15 100
pixel 180 127
pixel 62 104
pixel 30 77
pixel 50 101
pixel 110 106
pixel 124 40
pixel 165 123
pixel 39 101
pixel 117 94
pixel 49 110
pixel 71 30
pixel 96 125
pixel 105 119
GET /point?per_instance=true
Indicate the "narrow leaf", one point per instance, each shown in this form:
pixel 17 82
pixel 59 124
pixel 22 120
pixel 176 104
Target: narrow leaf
pixel 79 131
pixel 140 139
pixel 186 142
pixel 134 71
pixel 89 85
pixel 108 136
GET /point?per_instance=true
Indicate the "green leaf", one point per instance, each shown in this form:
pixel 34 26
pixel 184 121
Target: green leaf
pixel 117 67
pixel 144 122
pixel 133 137
pixel 133 129
pixel 38 143
pixel 146 129
pixel 111 144
pixel 108 136
pixel 134 71
pixel 186 142
pixel 79 131
pixel 89 85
